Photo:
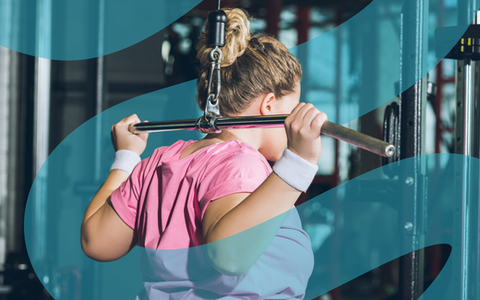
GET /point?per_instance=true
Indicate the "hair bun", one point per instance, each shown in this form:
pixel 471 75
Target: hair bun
pixel 237 37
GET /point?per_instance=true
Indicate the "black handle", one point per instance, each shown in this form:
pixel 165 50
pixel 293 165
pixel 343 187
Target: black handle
pixel 217 21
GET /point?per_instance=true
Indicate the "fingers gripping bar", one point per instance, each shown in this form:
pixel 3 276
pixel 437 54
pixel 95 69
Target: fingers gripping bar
pixel 333 130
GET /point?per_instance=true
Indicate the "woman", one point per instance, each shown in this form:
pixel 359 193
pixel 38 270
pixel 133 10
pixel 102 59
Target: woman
pixel 189 205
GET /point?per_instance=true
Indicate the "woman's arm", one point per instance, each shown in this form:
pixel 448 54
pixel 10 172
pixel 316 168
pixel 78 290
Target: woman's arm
pixel 236 213
pixel 104 236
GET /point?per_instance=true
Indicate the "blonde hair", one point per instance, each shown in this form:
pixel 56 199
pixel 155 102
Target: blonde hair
pixel 250 66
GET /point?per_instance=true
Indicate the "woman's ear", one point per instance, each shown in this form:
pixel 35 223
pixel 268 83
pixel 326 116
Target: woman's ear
pixel 267 105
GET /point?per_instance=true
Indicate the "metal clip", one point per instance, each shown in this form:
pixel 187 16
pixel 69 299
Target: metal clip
pixel 215 58
pixel 206 124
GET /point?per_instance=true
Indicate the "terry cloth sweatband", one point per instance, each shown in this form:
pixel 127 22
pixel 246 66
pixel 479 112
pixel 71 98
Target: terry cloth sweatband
pixel 295 170
pixel 125 160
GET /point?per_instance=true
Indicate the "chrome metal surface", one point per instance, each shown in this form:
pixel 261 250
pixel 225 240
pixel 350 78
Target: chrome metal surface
pixel 412 108
pixel 331 129
pixel 214 84
pixel 468 107
pixel 11 209
pixel 162 126
pixel 41 151
pixel 358 139
pixel 211 107
pixel 467 143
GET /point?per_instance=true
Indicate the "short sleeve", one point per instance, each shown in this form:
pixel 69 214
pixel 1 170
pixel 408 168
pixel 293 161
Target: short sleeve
pixel 242 171
pixel 125 198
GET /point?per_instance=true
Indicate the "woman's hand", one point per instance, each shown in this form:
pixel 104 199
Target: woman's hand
pixel 303 127
pixel 123 139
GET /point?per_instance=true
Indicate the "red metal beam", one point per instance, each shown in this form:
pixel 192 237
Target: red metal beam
pixel 303 24
pixel 273 7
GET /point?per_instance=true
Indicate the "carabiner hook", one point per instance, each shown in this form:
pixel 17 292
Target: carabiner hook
pixel 213 94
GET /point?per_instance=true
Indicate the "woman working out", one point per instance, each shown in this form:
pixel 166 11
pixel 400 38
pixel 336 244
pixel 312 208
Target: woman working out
pixel 193 197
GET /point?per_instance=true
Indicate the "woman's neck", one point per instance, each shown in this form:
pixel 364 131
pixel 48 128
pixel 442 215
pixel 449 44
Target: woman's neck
pixel 245 135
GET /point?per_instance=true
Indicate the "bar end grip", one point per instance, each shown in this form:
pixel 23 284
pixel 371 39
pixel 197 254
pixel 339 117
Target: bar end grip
pixel 389 151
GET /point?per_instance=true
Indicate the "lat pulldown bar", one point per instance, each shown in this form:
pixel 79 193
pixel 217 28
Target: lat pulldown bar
pixel 216 124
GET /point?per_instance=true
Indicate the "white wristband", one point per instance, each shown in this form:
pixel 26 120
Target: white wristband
pixel 125 160
pixel 295 170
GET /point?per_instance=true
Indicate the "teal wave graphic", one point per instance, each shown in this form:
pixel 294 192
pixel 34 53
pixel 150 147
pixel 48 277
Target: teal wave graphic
pixel 74 30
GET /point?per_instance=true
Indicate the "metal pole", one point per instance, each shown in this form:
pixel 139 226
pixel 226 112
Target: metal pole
pixel 412 105
pixel 10 207
pixel 331 129
pixel 41 130
pixel 467 142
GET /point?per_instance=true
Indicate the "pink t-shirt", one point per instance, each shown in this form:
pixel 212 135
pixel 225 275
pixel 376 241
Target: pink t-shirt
pixel 165 197
pixel 164 201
